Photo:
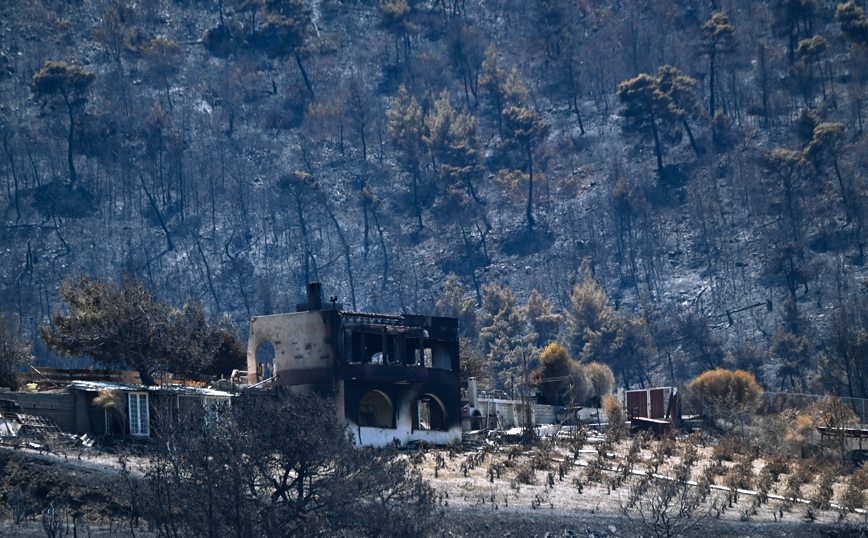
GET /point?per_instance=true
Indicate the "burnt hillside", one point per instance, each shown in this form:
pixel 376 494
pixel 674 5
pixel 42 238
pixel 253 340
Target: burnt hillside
pixel 232 151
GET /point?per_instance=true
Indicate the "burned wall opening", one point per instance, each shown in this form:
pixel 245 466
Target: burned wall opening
pixel 265 360
pixel 376 411
pixel 430 414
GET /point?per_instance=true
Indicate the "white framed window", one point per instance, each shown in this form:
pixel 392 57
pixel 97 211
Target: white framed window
pixel 213 408
pixel 139 417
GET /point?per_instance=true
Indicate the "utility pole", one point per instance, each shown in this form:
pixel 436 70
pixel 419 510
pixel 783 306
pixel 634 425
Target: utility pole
pixel 529 432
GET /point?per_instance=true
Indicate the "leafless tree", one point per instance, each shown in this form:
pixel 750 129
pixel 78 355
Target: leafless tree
pixel 266 468
pixel 667 505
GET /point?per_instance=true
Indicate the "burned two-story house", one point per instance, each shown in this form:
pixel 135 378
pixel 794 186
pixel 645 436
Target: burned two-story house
pixel 393 378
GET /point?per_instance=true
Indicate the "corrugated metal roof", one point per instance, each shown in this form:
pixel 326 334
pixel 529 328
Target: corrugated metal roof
pixel 183 390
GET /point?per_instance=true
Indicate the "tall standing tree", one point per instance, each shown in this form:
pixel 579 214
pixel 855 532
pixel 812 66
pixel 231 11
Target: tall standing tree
pixel 396 20
pixel 451 137
pixel 14 351
pixel 123 325
pixel 678 87
pixel 654 102
pixel 286 32
pixel 795 354
pixel 792 20
pixel 560 378
pixel 455 303
pixel 163 57
pixel 406 126
pixel 854 23
pixel 645 107
pixel 718 38
pixel 527 130
pixel 827 148
pixel 808 64
pixel 854 26
pixel 542 319
pixel 70 83
pixel 596 332
pixel 791 168
pixel 493 81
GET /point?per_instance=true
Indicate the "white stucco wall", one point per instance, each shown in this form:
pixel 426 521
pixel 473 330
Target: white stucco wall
pixel 380 437
pixel 403 431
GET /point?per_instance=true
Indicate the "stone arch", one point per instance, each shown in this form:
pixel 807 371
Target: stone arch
pixel 375 410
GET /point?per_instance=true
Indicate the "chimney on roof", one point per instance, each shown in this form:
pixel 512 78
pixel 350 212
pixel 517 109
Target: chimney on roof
pixel 314 296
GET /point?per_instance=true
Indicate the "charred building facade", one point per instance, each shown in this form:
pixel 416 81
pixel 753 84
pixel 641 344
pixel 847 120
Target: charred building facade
pixel 394 378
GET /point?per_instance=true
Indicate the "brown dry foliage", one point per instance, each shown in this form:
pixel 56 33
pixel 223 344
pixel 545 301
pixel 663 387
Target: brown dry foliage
pixel 722 391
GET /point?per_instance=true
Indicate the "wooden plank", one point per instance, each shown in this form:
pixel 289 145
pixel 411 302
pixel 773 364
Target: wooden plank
pixel 58 375
pixel 657 409
pixel 47 370
pixel 637 406
pixel 125 373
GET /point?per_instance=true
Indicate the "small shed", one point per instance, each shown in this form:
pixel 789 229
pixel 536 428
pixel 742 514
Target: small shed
pixel 134 409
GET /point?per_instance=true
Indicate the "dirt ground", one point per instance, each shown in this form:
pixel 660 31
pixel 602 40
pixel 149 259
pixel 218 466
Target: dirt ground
pixel 473 502
pixel 556 505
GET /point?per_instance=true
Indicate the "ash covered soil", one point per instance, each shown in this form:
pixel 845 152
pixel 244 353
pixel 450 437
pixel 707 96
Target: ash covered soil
pixel 97 491
pixel 522 522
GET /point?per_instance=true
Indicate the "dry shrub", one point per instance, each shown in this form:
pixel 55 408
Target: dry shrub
pixel 564 468
pixel 777 465
pixel 577 483
pixel 601 378
pixel 576 444
pixel 496 468
pixel 524 474
pixel 634 454
pixel 663 449
pixel 764 486
pixel 710 472
pixel 853 495
pixel 542 461
pixel 614 416
pixel 723 392
pixel 852 498
pixel 740 475
pixel 859 478
pixel 827 477
pixel 802 473
pixel 111 400
pixel 798 430
pixel 667 444
pixel 594 474
pixel 698 439
pixel 728 448
pixel 454 447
